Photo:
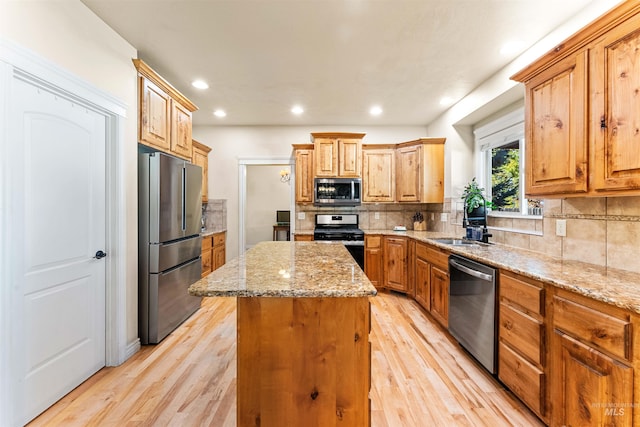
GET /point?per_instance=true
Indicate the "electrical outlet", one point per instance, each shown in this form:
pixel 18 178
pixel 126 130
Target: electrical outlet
pixel 443 217
pixel 376 215
pixel 561 227
pixel 301 215
pixel 433 216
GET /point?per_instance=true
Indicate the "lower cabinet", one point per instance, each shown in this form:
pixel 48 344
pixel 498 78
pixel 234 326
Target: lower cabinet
pixel 373 259
pixel 592 364
pixel 522 349
pixel 395 257
pixel 214 253
pixel 303 237
pixel 432 281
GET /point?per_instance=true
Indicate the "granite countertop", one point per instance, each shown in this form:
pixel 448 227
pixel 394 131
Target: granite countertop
pixel 212 231
pixel 612 286
pixel 288 269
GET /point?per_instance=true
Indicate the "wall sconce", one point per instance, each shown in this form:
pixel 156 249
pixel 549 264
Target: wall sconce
pixel 285 176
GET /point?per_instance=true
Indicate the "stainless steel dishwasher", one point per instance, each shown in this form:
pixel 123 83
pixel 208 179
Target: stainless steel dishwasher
pixel 472 309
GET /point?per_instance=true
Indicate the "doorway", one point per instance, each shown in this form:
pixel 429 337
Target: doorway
pixel 263 191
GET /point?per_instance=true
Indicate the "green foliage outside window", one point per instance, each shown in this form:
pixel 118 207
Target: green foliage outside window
pixel 505 177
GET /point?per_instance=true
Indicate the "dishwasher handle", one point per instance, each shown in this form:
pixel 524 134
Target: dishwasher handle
pixel 470 271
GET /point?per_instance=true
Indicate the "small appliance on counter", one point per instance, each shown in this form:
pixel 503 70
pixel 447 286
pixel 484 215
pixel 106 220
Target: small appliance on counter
pixel 169 243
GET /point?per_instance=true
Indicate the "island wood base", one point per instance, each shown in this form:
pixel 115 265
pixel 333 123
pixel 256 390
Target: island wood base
pixel 303 361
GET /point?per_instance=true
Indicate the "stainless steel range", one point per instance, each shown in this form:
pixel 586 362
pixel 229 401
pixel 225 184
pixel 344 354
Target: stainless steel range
pixel 342 228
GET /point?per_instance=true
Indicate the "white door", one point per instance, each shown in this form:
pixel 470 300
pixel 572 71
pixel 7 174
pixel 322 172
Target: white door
pixel 59 174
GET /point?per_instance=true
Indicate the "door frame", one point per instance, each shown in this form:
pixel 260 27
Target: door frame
pixel 242 187
pixel 18 62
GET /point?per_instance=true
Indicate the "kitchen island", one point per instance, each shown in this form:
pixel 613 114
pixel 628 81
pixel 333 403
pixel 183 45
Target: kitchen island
pixel 303 326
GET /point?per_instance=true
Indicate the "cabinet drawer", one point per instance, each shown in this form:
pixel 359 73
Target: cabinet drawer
pixel 373 241
pixel 601 329
pixel 522 332
pixel 218 239
pixel 526 295
pixel 206 243
pixel 433 256
pixel 523 379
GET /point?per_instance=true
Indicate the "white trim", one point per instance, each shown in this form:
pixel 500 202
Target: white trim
pixel 242 189
pixel 16 61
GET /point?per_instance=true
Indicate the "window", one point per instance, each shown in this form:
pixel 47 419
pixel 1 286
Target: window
pixel 500 150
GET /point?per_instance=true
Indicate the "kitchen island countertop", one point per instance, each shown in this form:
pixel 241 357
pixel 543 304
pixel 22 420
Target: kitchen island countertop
pixel 288 269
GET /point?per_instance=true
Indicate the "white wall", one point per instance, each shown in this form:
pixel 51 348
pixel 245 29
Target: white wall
pixel 496 93
pixel 231 143
pixel 70 35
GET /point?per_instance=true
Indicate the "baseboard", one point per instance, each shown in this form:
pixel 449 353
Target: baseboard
pixel 132 349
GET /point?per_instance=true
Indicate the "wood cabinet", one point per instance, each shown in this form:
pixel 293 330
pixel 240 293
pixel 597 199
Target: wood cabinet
pixel 164 121
pixel 378 173
pixel 420 171
pixel 395 256
pixel 214 252
pixel 615 71
pixel 591 367
pixel 581 118
pixel 373 259
pixel 431 280
pixel 337 154
pixel 304 172
pixel 439 279
pixel 522 348
pixel 200 157
pixel 303 237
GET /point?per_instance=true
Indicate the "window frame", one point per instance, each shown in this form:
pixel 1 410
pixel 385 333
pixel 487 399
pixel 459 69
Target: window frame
pixel 504 130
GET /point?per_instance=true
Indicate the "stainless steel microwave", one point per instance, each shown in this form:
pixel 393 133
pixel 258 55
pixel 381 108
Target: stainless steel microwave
pixel 337 191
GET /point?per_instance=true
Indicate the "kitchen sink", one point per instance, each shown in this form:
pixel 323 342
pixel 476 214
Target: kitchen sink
pixel 457 242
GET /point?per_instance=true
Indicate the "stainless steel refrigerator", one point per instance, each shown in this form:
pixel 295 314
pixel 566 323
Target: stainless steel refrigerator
pixel 169 210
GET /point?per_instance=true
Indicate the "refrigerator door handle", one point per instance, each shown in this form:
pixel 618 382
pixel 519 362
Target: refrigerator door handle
pixel 183 199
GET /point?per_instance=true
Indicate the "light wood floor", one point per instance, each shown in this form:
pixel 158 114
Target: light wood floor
pixel 420 377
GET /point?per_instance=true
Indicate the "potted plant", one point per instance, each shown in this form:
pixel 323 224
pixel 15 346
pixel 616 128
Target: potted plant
pixel 474 201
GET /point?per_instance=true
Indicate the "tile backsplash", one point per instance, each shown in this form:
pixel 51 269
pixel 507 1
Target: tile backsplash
pixel 599 230
pixel 215 214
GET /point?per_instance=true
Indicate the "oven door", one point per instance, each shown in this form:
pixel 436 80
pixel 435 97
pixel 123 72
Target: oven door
pixel 356 249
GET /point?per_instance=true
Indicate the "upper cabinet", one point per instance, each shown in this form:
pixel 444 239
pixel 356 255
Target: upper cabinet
pixel 378 173
pixel 338 154
pixel 200 157
pixel 420 171
pixel 164 121
pixel 582 117
pixel 304 172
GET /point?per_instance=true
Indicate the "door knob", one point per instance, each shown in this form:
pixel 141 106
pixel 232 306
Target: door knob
pixel 100 255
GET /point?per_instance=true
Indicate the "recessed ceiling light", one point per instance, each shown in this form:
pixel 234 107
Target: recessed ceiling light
pixel 200 84
pixel 511 47
pixel 297 110
pixel 376 110
pixel 219 113
pixel 446 100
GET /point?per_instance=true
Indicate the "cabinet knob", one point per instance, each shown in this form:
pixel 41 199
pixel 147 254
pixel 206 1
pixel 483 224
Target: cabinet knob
pixel 603 122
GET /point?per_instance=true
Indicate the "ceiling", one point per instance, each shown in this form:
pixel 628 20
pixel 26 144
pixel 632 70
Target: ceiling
pixel 335 58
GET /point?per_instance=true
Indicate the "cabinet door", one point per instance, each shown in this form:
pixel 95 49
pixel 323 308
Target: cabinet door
pixel 588 387
pixel 409 174
pixel 304 176
pixel 423 287
pixel 373 259
pixel 349 157
pixel 201 159
pixel 207 259
pixel 378 175
pixel 556 124
pixel 615 76
pixel 439 280
pixel 180 130
pixel 395 263
pixel 326 157
pixel 155 113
